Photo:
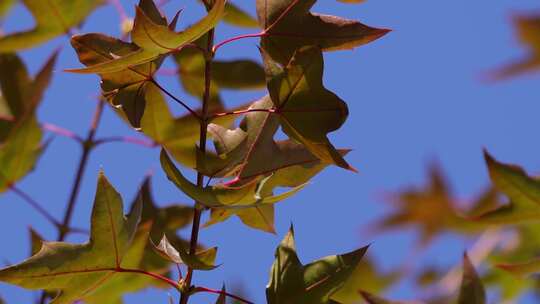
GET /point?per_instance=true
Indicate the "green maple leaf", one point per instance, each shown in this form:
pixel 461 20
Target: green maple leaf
pixel 127 88
pixel 235 15
pixel 252 151
pixel 6 5
pixel 165 220
pixel 202 260
pixel 78 270
pixel 155 39
pixel 528 30
pixel 307 110
pixel 53 18
pixel 219 196
pixel 522 190
pixel 178 135
pixel 289 25
pixel 226 74
pixel 315 283
pixel 20 133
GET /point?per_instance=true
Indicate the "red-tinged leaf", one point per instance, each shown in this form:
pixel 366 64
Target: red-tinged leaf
pixel 78 270
pixel 153 38
pixel 307 110
pixel 289 25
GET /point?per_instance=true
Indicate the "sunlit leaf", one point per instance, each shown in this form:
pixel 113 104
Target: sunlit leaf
pixel 522 190
pixel 154 39
pixel 77 270
pixel 289 25
pixel 226 74
pixel 292 282
pixel 53 18
pixel 202 260
pixel 219 196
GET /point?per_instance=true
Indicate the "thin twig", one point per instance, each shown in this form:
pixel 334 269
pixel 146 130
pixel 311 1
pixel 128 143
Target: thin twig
pixel 34 204
pixel 232 39
pixel 221 292
pixel 126 139
pixel 190 110
pixel 61 131
pixel 88 145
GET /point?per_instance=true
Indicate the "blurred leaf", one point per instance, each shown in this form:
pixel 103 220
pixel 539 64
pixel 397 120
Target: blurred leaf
pixel 528 30
pixel 471 290
pixel 53 18
pixel 308 111
pixel 236 16
pixel 219 196
pixel 202 260
pixel 20 152
pixel 372 299
pixel 20 94
pixel 314 283
pixel 368 277
pixel 289 25
pixel 5 7
pixel 233 74
pixel 432 209
pixel 155 39
pixel 522 190
pixel 76 270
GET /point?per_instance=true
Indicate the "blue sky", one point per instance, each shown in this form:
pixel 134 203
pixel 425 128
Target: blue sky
pixel 414 96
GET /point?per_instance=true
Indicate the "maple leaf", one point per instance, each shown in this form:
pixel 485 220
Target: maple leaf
pixel 316 282
pixel 307 111
pixel 154 39
pixel 217 196
pixel 53 18
pixel 20 133
pixel 433 209
pixel 288 25
pixel 78 270
pixel 522 190
pixel 528 30
pixel 239 74
pixel 471 290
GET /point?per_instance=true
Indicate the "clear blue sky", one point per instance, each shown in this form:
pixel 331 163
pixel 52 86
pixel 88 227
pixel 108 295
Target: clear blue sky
pixel 414 95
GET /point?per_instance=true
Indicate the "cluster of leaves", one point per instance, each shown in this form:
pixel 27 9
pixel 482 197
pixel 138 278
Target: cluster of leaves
pixel 248 170
pixel 248 163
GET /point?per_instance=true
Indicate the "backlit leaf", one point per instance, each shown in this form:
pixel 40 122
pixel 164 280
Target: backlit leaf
pixel 289 25
pixel 77 270
pixel 292 282
pixel 53 18
pixel 522 190
pixel 202 260
pixel 155 39
pixel 471 290
pixel 219 196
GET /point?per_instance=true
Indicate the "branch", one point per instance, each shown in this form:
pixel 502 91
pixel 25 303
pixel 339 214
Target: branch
pixel 61 131
pixel 34 204
pixel 221 292
pixel 88 145
pixel 184 296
